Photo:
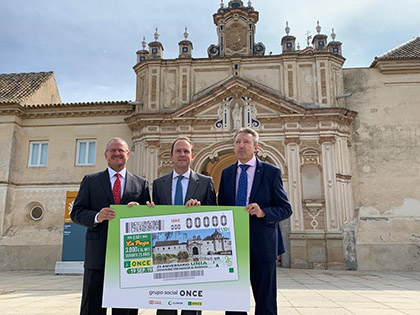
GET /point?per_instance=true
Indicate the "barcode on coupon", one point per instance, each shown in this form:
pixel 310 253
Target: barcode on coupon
pixel 144 226
pixel 178 274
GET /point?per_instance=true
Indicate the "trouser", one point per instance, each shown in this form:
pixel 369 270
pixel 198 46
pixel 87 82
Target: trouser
pixel 93 286
pixel 264 287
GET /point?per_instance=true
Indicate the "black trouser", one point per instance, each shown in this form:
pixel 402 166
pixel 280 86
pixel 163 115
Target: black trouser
pixel 264 287
pixel 93 286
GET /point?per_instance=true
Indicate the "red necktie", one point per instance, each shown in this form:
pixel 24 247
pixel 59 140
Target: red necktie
pixel 116 190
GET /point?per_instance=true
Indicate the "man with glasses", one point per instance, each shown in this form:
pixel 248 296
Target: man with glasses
pixel 91 208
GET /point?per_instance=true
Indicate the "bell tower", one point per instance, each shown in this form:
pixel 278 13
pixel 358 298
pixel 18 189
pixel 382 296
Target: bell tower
pixel 236 31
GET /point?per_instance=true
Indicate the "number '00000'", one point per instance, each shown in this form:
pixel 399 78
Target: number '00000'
pixel 206 221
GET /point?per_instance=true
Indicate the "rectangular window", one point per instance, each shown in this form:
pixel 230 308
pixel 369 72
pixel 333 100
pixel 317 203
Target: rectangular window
pixel 86 152
pixel 38 153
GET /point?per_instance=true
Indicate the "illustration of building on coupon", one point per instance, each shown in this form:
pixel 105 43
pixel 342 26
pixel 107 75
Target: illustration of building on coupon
pixel 177 249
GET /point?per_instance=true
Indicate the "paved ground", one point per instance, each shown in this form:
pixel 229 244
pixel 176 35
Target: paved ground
pixel 314 292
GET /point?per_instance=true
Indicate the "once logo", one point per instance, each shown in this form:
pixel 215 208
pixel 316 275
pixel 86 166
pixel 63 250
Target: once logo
pixel 195 293
pixel 140 263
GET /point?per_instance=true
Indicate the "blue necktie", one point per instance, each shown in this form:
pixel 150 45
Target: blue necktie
pixel 179 200
pixel 242 186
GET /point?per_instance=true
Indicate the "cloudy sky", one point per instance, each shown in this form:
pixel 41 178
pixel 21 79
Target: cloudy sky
pixel 91 44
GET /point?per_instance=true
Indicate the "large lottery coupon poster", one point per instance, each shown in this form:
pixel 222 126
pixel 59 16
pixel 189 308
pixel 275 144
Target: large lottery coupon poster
pixel 173 257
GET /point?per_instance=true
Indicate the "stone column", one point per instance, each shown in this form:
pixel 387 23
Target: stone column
pixel 3 199
pixel 345 180
pixel 329 178
pixel 139 167
pixel 146 158
pixel 295 186
pixel 150 160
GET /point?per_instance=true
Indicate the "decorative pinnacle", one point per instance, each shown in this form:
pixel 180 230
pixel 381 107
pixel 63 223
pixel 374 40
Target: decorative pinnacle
pixel 143 43
pixel 156 34
pixel 298 46
pixel 308 38
pixel 186 33
pixel 333 35
pixel 249 4
pixel 318 27
pixel 287 28
pixel 222 5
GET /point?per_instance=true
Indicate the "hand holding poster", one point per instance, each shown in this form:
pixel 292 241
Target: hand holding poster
pixel 177 257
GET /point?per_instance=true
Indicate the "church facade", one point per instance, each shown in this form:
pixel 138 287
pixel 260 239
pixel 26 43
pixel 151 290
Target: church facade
pixel 345 140
pixel 214 244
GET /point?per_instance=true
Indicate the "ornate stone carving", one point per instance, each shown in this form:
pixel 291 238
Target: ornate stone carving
pixel 154 88
pixel 223 113
pixel 323 86
pixel 327 139
pixel 250 111
pixel 310 156
pixel 295 140
pixel 259 49
pixel 236 37
pixel 142 89
pixel 290 83
pixel 314 209
pixel 184 87
pixel 213 51
pixel 236 112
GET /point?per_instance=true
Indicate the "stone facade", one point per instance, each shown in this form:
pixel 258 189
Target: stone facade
pixel 345 140
pixel 26 243
pixel 387 159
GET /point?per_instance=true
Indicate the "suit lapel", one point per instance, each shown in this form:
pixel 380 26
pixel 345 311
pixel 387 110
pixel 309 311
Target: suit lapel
pixel 257 179
pixel 129 184
pixel 192 185
pixel 167 189
pixel 231 182
pixel 106 185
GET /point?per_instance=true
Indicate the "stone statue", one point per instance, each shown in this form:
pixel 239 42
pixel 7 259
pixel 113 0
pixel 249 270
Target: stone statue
pixel 237 116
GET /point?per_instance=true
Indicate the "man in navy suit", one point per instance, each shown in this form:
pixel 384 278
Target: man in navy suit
pixel 260 191
pixel 91 209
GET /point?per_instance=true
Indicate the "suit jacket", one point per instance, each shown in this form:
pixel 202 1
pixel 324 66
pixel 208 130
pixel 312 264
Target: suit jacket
pixel 94 194
pixel 200 187
pixel 267 191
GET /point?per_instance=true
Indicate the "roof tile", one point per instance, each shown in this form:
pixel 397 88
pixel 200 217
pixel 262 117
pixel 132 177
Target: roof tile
pixel 19 86
pixel 407 51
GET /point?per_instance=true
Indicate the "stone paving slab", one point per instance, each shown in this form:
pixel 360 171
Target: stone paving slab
pixel 300 292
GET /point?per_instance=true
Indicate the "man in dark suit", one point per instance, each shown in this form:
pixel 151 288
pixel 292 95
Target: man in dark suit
pixel 196 189
pixel 91 208
pixel 257 186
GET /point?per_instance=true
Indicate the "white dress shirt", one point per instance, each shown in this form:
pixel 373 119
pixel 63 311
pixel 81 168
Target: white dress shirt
pixel 112 179
pixel 250 176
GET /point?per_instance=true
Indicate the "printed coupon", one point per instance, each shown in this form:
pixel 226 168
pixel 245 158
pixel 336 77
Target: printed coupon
pixel 177 249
